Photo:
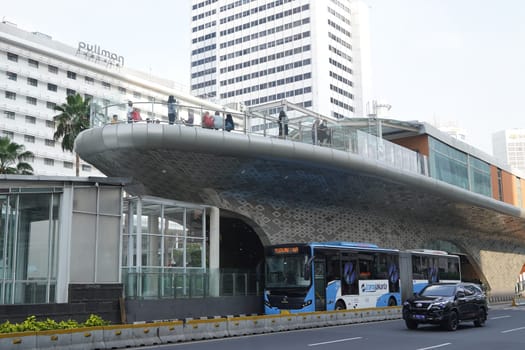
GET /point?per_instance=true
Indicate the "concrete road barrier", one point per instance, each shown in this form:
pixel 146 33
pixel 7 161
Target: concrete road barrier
pixel 87 338
pixel 118 336
pixel 54 339
pixel 171 332
pixel 205 328
pixel 18 341
pixel 145 334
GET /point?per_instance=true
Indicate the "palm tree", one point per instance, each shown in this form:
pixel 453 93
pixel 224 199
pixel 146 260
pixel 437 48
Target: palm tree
pixel 73 119
pixel 12 156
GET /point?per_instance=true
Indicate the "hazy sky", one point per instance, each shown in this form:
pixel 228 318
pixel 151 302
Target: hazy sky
pixel 438 61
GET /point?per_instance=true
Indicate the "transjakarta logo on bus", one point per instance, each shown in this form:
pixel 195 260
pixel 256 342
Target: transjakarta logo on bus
pixel 371 287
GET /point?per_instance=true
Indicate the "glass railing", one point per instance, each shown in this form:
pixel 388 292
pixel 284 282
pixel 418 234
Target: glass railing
pixel 179 284
pixel 298 128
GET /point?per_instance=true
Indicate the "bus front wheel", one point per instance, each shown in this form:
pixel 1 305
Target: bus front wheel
pixel 392 302
pixel 340 305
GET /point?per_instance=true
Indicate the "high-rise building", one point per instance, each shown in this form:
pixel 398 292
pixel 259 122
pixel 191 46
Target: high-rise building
pixel 38 73
pixel 312 53
pixel 509 146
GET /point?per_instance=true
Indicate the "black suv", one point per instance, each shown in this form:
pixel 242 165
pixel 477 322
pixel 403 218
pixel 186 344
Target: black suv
pixel 446 304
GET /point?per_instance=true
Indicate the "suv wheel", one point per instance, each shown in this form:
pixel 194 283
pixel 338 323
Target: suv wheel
pixel 411 324
pixel 452 323
pixel 482 317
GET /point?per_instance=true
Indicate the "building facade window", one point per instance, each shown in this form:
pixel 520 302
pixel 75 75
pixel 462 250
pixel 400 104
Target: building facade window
pixel 12 57
pixel 31 100
pixel 122 90
pixel 89 80
pixel 9 114
pixel 30 119
pixel 9 134
pixel 52 87
pixel 52 69
pixel 11 76
pixel 29 138
pixel 86 167
pixel 71 75
pixel 51 105
pixel 106 85
pixel 50 143
pixel 448 164
pixel 70 92
pixel 10 95
pixel 68 165
pixel 49 161
pixel 32 63
pixel 50 124
pixel 32 82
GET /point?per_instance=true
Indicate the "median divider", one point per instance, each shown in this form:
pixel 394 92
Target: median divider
pixel 118 336
pixel 171 332
pixel 348 316
pixel 373 314
pixel 87 338
pixel 206 328
pixel 18 341
pixel 54 339
pixel 148 334
pixel 145 334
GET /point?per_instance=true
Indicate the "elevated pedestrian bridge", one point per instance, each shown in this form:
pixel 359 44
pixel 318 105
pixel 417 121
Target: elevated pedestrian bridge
pixel 291 189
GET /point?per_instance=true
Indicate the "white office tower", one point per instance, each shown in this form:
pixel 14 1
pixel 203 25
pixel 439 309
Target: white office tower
pixel 310 52
pixel 509 146
pixel 38 73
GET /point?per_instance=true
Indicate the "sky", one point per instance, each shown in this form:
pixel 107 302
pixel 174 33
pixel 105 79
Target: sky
pixel 439 61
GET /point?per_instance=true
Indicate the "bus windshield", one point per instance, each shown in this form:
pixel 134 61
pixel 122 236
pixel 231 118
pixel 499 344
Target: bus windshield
pixel 286 271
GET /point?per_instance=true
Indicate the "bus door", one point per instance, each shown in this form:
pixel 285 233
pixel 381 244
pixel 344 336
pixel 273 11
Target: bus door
pixel 320 283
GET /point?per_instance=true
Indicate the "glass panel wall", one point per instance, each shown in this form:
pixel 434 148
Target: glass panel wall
pixel 458 168
pixel 172 250
pixel 28 247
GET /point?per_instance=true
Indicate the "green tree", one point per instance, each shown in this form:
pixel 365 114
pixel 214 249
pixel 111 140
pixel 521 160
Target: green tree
pixel 12 158
pixel 72 120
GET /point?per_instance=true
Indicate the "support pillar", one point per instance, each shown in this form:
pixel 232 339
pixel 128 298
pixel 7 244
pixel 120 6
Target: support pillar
pixel 214 252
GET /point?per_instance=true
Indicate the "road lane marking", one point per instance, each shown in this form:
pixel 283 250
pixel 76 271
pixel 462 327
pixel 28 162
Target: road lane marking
pixel 498 317
pixel 335 341
pixel 513 330
pixel 435 346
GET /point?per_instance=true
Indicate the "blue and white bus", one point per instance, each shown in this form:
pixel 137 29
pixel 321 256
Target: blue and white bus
pixel 308 277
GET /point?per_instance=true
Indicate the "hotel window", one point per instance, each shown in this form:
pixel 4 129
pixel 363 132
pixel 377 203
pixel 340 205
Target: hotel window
pixel 137 94
pixel 29 138
pixel 51 105
pixel 49 161
pixel 71 75
pixel 9 134
pixel 122 90
pixel 51 87
pixel 52 69
pixel 30 119
pixel 106 85
pixel 12 57
pixel 10 95
pixel 89 80
pixel 9 114
pixel 86 167
pixel 32 82
pixel 68 165
pixel 31 100
pixel 70 92
pixel 32 63
pixel 11 76
pixel 88 97
pixel 29 159
pixel 50 143
pixel 50 124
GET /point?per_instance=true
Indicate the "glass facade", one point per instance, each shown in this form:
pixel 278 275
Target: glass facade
pixel 458 168
pixel 28 246
pixel 164 250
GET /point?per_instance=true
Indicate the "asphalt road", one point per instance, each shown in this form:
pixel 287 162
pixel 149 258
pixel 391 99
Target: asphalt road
pixel 504 330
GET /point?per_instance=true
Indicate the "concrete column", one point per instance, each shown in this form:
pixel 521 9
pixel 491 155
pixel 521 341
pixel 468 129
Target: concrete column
pixel 214 252
pixel 64 245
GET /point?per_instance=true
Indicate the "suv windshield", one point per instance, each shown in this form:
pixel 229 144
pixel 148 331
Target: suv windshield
pixel 438 291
